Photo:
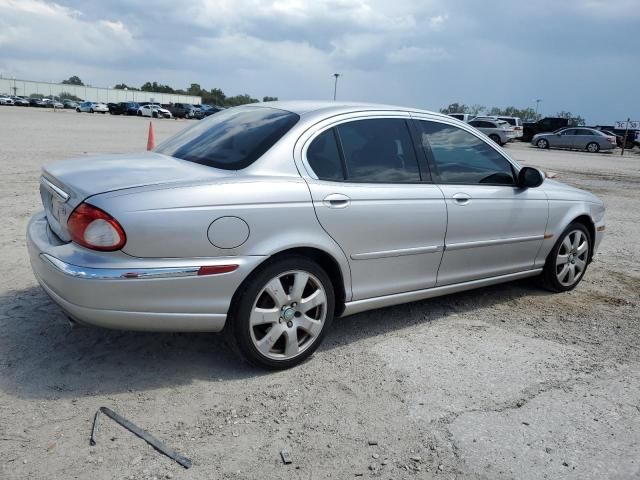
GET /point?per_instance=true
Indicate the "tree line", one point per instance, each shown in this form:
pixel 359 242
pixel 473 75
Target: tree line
pixel 213 96
pixel 526 114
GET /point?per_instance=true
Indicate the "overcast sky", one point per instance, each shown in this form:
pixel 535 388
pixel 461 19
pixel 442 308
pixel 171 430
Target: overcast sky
pixel 577 55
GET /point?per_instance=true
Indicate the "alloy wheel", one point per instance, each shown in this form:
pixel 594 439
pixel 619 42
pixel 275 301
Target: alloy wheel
pixel 288 315
pixel 542 143
pixel 572 257
pixel 593 147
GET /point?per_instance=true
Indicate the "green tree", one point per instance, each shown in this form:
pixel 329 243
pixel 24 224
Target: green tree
pixel 74 80
pixel 156 87
pixel 123 86
pixel 240 100
pixel 462 108
pixel 574 120
pixel 269 99
pixel 69 96
pixel 526 114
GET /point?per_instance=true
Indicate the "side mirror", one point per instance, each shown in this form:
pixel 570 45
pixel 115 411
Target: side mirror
pixel 530 177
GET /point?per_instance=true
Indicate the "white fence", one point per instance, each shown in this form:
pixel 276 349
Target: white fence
pixel 25 88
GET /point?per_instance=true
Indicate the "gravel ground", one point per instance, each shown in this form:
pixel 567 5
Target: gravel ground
pixel 503 382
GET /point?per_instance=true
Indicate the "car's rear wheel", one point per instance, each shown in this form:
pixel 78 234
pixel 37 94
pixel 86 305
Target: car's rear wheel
pixel 154 114
pixel 568 260
pixel 91 111
pixel 495 138
pixel 593 147
pixel 542 143
pixel 78 109
pixel 282 312
pixel 139 113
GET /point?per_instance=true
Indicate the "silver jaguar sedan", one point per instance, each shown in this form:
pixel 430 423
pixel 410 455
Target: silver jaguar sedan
pixel 268 221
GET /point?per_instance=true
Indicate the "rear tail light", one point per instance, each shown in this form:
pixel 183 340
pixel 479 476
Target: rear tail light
pixel 95 229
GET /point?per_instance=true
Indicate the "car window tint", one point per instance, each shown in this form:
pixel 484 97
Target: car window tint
pixel 379 150
pixel 569 131
pixel 324 157
pixel 463 158
pixel 232 139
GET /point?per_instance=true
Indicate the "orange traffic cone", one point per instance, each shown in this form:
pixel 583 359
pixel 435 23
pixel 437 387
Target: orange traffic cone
pixel 151 140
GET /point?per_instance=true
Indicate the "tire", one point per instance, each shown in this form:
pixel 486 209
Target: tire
pixel 572 250
pixel 542 143
pixel 154 115
pixel 139 114
pixel 495 138
pixel 285 320
pixel 91 111
pixel 593 147
pixel 78 109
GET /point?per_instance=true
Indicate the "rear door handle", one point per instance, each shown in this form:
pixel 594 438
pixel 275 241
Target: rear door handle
pixel 461 198
pixel 336 200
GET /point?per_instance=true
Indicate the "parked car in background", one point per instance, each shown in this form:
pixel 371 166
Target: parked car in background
pixel 271 220
pixel 52 103
pixel 20 101
pixel 92 107
pixel 465 117
pixel 578 138
pixel 546 124
pixel 70 104
pixel 124 108
pixel 6 100
pixel 516 123
pixel 619 134
pixel 497 130
pixel 207 110
pixel 36 102
pixel 182 110
pixel 153 110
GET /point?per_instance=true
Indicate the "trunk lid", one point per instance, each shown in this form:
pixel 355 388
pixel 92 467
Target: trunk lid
pixel 65 184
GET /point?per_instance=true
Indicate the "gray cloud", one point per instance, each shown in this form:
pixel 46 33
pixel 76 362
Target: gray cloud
pixel 574 54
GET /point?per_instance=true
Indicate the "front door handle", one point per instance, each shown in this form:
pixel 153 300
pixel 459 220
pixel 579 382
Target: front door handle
pixel 461 198
pixel 336 200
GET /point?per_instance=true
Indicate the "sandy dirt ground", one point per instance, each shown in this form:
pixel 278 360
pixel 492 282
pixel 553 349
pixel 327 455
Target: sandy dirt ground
pixel 503 382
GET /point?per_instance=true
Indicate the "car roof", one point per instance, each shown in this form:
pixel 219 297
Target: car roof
pixel 304 107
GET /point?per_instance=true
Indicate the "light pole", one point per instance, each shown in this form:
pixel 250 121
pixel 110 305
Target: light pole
pixel 537 102
pixel 335 85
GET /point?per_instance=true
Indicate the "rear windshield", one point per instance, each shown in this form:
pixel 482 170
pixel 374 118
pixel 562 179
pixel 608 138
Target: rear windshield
pixel 231 139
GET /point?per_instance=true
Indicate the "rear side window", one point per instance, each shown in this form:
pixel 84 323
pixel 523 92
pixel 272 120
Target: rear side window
pixel 232 139
pixel 324 157
pixel 463 158
pixel 378 150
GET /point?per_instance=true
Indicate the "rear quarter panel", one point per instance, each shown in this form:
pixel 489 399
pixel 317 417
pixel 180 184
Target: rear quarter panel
pixel 174 222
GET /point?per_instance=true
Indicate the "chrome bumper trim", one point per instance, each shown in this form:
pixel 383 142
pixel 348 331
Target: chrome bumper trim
pixel 118 273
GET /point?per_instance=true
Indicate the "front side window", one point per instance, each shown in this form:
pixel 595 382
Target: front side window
pixel 378 150
pixel 463 158
pixel 232 139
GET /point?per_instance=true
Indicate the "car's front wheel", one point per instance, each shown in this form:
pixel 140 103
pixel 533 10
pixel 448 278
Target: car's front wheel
pixel 593 147
pixel 282 312
pixel 568 260
pixel 542 143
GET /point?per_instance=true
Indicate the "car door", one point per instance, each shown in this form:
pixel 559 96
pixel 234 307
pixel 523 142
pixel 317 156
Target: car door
pixel 366 181
pixel 582 137
pixel 494 227
pixel 565 138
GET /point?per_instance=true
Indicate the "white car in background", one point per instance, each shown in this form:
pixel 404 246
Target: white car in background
pixel 465 117
pixel 154 111
pixel 92 107
pixel 516 123
pixel 499 131
pixel 4 100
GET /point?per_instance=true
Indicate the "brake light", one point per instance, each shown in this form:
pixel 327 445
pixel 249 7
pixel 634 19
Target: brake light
pixel 95 229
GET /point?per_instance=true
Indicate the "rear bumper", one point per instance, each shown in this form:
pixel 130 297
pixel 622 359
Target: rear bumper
pixel 114 290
